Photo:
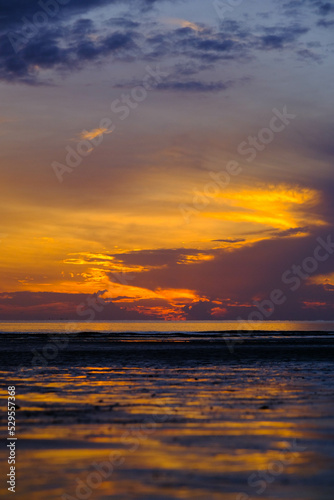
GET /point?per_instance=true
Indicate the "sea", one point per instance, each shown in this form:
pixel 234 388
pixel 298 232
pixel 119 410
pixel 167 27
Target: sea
pixel 168 410
pixel 165 328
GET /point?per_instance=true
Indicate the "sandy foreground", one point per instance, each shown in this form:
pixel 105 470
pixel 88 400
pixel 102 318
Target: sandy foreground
pixel 177 418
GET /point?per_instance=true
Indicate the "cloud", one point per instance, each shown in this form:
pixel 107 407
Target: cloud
pixel 66 43
pixel 310 55
pixel 319 8
pixel 56 306
pixel 201 310
pixel 233 41
pixel 230 240
pixel 281 37
pixel 89 49
pixel 178 80
pixel 85 134
pixel 161 258
pixel 194 86
pixel 60 49
pixel 247 272
pixel 224 287
pixel 14 12
pixel 326 24
pixel 290 232
pixel 184 24
pixel 325 8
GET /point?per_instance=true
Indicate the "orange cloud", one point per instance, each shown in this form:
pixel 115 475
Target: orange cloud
pixel 184 24
pixel 96 132
pixel 278 207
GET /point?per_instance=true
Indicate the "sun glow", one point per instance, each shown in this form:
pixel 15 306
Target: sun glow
pixel 279 207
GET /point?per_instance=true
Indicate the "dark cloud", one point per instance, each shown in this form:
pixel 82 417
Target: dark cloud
pixel 290 232
pixel 64 42
pixel 178 80
pixel 325 8
pixel 123 23
pixel 56 306
pixel 18 14
pixel 63 48
pixel 158 258
pixel 83 27
pixel 233 41
pixel 230 240
pixel 206 45
pixel 308 54
pixel 320 8
pixel 247 272
pixel 15 12
pixel 326 24
pixel 201 310
pixel 190 68
pixel 110 44
pixel 194 86
pixel 281 37
pixel 42 35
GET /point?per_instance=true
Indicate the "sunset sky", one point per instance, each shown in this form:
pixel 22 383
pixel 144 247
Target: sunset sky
pixel 134 159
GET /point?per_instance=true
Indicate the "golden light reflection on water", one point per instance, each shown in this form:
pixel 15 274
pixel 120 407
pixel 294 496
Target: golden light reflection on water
pixel 183 433
pixel 119 327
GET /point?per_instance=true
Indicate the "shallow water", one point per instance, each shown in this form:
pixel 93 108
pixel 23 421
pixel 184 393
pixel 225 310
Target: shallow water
pixel 179 419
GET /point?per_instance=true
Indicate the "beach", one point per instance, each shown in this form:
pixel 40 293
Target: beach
pixel 178 417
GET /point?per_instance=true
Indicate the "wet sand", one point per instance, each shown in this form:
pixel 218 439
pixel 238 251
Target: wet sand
pixel 175 418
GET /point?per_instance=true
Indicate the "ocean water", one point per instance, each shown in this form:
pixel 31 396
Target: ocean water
pixel 170 327
pixel 167 411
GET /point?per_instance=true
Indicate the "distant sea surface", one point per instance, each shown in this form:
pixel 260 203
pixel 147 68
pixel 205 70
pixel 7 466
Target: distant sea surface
pixel 172 328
